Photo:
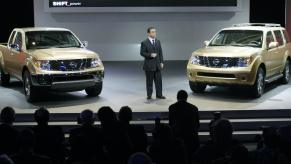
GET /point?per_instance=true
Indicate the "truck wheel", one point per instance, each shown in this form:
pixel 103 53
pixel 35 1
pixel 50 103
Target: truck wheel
pixel 259 86
pixel 286 73
pixel 95 90
pixel 4 78
pixel 29 90
pixel 197 87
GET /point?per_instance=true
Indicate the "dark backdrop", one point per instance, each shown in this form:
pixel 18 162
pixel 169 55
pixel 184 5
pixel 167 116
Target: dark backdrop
pixel 20 15
pixel 263 11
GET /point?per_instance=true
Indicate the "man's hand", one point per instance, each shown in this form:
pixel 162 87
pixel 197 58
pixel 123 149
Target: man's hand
pixel 162 65
pixel 153 55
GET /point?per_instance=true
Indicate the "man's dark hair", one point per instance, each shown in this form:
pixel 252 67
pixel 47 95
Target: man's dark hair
pixel 149 29
pixel 106 115
pixel 8 115
pixel 125 114
pixel 182 95
pixel 87 117
pixel 42 116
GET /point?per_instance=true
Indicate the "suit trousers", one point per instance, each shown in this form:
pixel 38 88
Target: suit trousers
pixel 154 76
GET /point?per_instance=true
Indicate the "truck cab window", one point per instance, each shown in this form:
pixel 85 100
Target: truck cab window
pixel 18 40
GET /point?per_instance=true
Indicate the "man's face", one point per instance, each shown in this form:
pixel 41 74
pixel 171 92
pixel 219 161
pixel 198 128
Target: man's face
pixel 152 33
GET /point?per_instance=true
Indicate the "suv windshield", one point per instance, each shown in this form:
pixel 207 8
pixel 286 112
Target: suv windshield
pixel 50 39
pixel 242 38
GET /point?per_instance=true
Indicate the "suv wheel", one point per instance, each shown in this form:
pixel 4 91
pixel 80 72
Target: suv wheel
pixel 197 87
pixel 4 78
pixel 259 86
pixel 286 73
pixel 95 90
pixel 29 90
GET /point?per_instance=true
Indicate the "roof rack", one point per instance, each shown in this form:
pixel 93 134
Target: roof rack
pixel 257 24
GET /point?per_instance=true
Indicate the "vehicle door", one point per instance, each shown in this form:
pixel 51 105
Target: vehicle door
pixel 8 60
pixel 17 55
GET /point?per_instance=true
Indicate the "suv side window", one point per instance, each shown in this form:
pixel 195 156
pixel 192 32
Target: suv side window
pixel 11 38
pixel 18 40
pixel 269 38
pixel 286 36
pixel 279 37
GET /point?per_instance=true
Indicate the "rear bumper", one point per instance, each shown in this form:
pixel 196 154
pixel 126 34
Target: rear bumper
pixel 68 82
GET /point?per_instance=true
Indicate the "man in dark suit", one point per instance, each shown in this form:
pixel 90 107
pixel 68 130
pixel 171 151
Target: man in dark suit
pixel 152 52
pixel 184 119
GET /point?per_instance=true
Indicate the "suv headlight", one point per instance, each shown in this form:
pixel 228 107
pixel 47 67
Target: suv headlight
pixel 44 64
pixel 195 60
pixel 96 62
pixel 244 61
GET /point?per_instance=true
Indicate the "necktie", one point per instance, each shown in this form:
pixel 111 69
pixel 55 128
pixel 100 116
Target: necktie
pixel 153 41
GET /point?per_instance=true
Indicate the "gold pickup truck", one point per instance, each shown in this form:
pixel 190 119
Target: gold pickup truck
pixel 246 54
pixel 50 59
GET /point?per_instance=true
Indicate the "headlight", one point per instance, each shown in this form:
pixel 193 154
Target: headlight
pixel 44 64
pixel 244 61
pixel 195 60
pixel 96 62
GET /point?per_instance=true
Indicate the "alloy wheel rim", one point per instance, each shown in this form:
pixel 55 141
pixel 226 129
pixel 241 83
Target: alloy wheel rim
pixel 287 72
pixel 260 83
pixel 27 86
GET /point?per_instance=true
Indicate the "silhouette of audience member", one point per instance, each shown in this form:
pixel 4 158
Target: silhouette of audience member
pixel 217 116
pixel 136 133
pixel 9 136
pixel 165 148
pixel 221 149
pixel 48 139
pixel 268 153
pixel 118 146
pixel 184 119
pixel 4 159
pixel 26 154
pixel 86 141
pixel 284 145
pixel 139 158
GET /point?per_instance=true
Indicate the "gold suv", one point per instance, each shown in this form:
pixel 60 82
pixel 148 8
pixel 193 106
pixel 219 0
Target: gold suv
pixel 50 59
pixel 246 54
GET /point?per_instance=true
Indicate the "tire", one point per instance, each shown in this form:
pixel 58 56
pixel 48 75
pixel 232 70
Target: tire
pixel 258 88
pixel 4 78
pixel 30 91
pixel 95 90
pixel 286 73
pixel 197 87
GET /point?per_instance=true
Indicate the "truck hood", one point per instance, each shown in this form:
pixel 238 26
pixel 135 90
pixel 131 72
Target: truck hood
pixel 227 51
pixel 62 54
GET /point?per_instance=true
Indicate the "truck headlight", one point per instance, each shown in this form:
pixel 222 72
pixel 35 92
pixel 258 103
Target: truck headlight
pixel 195 60
pixel 244 61
pixel 96 62
pixel 44 64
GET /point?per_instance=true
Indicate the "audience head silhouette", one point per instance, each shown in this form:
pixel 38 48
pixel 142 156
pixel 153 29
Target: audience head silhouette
pixel 106 115
pixel 7 115
pixel 139 158
pixel 270 137
pixel 182 95
pixel 42 116
pixel 87 117
pixel 125 114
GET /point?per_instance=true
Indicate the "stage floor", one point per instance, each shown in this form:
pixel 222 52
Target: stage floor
pixel 124 84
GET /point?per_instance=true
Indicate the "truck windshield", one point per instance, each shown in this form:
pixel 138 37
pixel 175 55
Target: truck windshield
pixel 50 39
pixel 241 38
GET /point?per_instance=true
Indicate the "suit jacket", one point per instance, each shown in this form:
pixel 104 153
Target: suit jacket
pixel 146 49
pixel 184 118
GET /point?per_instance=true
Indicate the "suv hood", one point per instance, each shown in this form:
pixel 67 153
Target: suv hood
pixel 62 54
pixel 227 51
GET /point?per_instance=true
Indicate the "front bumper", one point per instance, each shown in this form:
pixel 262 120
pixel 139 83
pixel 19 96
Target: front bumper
pixel 68 81
pixel 222 76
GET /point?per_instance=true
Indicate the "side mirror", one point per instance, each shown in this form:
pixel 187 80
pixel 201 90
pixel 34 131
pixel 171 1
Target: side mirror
pixel 15 47
pixel 206 43
pixel 85 43
pixel 273 45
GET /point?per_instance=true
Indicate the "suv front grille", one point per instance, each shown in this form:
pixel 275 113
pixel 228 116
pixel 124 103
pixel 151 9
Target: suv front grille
pixel 218 62
pixel 70 65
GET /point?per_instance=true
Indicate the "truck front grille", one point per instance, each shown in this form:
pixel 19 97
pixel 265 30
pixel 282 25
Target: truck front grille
pixel 70 65
pixel 218 62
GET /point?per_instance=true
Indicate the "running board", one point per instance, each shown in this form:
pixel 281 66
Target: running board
pixel 273 78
